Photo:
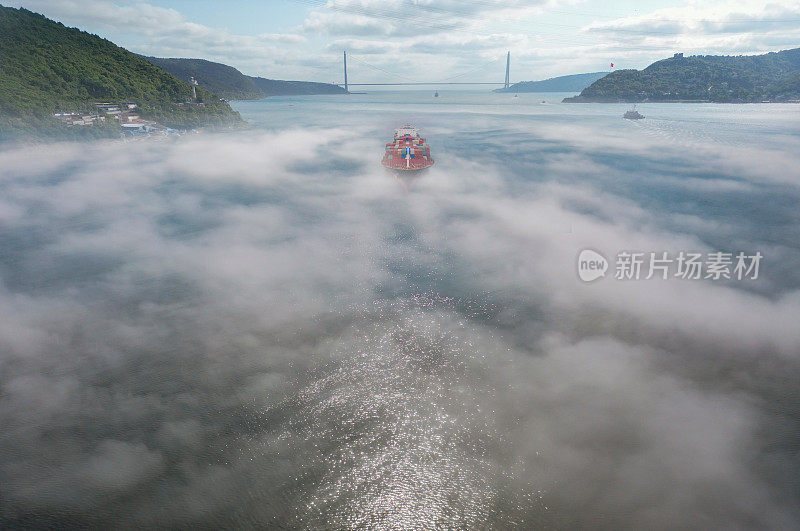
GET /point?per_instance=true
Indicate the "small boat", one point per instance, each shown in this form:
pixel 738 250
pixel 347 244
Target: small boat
pixel 633 114
pixel 408 152
pixel 436 94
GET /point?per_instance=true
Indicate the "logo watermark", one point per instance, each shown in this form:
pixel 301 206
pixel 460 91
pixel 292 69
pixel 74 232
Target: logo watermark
pixel 684 265
pixel 591 265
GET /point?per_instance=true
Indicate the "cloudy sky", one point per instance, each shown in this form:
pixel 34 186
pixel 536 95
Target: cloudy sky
pixel 431 40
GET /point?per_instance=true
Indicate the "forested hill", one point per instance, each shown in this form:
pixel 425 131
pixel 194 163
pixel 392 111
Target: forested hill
pixel 228 82
pixel 745 78
pixel 223 80
pixel 572 83
pixel 47 67
pixel 277 87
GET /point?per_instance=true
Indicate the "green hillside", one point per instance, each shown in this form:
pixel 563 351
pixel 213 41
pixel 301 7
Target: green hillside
pixel 277 87
pixel 47 67
pixel 222 80
pixel 571 83
pixel 750 78
pixel 229 83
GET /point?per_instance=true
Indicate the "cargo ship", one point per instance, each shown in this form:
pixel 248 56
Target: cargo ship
pixel 408 152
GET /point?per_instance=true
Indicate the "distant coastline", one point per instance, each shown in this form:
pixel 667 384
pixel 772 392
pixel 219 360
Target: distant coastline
pixel 570 83
pixel 767 78
pixel 227 82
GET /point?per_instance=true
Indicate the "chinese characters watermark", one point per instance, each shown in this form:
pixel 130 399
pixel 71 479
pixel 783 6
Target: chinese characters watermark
pixel 662 265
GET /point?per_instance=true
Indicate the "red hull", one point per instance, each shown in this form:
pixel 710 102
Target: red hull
pixel 408 152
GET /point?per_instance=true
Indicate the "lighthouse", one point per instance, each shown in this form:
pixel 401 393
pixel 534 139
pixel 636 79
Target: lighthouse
pixel 193 83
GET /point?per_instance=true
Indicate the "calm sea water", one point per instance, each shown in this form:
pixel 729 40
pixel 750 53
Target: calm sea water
pixel 718 123
pixel 267 329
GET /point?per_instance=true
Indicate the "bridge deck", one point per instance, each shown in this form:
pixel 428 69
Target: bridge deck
pixel 426 83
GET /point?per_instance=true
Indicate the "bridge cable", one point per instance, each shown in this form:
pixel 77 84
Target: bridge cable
pixel 381 69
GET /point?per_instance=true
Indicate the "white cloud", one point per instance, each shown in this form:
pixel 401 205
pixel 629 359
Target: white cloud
pixel 411 18
pixel 708 28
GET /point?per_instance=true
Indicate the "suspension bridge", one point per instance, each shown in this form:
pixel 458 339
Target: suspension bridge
pixel 506 83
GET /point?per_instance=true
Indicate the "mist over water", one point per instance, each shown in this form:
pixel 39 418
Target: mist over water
pixel 266 328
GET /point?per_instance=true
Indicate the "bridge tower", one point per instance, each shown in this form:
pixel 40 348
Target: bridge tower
pixel 508 67
pixel 345 71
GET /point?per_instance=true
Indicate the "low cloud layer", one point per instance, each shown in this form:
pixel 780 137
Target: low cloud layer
pixel 266 329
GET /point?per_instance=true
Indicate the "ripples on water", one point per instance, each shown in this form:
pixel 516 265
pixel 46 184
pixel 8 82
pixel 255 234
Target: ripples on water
pixel 400 431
